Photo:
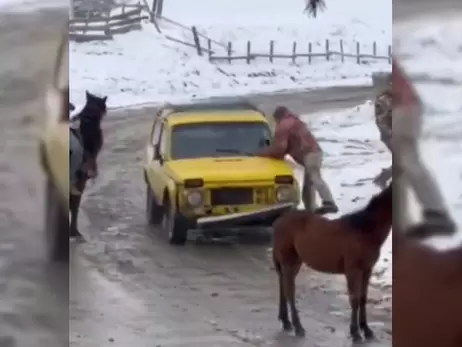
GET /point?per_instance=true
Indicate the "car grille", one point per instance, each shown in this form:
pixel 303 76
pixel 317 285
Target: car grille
pixel 231 196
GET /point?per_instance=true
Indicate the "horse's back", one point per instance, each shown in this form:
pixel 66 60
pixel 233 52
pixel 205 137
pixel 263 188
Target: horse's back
pixel 290 220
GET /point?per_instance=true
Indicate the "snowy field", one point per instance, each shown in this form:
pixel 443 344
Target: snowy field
pixel 354 155
pixel 144 67
pixel 431 50
pixel 29 5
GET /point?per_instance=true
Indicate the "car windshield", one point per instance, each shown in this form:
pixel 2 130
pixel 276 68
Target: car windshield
pixel 221 139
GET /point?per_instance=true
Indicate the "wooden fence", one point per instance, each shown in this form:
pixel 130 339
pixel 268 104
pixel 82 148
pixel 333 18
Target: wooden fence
pixel 104 22
pixel 329 53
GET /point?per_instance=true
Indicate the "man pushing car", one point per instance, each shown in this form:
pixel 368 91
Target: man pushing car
pixel 293 137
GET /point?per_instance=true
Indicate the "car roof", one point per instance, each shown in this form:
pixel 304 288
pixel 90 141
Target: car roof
pixel 216 117
pixel 239 105
pixel 205 112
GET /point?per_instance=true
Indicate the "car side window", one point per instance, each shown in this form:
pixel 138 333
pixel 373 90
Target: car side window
pixel 163 140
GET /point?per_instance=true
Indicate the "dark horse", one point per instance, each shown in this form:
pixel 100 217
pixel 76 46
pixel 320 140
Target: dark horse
pixel 349 245
pixel 91 138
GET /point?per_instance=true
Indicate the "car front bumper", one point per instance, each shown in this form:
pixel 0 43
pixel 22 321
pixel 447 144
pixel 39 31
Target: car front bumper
pixel 257 218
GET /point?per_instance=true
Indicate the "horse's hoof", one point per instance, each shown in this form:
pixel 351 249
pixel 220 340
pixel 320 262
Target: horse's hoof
pixel 287 326
pixel 356 338
pixel 299 332
pixel 75 233
pixel 369 335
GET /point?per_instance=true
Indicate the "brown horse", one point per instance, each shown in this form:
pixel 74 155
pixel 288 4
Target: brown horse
pixel 427 294
pixel 349 245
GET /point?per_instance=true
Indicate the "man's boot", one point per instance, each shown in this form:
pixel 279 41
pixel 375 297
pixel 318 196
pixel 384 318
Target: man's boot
pixel 327 207
pixel 435 223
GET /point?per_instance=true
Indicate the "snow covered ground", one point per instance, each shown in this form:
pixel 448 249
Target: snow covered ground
pixel 354 155
pixel 29 5
pixel 144 67
pixel 431 50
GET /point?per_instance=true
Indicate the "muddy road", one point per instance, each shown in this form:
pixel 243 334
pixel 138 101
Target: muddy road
pixel 129 286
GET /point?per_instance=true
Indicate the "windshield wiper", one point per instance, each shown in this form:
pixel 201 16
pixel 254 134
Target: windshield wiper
pixel 233 151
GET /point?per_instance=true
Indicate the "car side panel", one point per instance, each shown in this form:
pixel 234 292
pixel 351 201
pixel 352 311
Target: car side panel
pixel 56 147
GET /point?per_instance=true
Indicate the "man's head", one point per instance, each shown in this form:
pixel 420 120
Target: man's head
pixel 279 113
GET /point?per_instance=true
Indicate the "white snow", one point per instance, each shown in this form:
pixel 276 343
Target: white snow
pixel 144 67
pixel 354 155
pixel 431 51
pixel 30 5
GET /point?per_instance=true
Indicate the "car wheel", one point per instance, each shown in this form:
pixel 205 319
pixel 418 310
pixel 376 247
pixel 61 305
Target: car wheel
pixel 56 225
pixel 154 212
pixel 174 225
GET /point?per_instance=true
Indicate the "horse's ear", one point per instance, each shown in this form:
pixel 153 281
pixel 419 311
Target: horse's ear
pixel 105 98
pixel 87 94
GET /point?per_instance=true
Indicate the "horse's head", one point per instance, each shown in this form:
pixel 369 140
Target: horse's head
pixel 96 105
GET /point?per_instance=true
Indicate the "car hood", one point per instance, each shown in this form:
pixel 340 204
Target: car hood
pixel 228 169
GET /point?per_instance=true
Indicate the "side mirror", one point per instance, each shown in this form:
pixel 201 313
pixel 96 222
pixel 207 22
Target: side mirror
pixel 264 143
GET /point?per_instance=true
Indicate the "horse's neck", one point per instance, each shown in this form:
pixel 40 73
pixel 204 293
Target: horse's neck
pixel 384 224
pixel 92 138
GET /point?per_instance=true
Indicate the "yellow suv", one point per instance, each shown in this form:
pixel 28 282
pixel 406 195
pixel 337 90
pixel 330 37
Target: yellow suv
pixel 202 172
pixel 54 157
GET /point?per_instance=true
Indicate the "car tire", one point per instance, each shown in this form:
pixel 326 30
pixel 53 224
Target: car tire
pixel 56 225
pixel 154 213
pixel 174 225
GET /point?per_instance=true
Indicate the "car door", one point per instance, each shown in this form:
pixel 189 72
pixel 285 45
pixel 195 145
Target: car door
pixel 56 133
pixel 156 176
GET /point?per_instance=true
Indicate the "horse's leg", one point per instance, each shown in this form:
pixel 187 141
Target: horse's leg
pixel 283 313
pixel 74 207
pixel 354 280
pixel 290 271
pixel 368 333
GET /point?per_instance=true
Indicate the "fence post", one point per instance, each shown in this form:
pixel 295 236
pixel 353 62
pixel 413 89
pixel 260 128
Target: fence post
pixel 310 51
pixel 230 50
pixel 71 9
pixel 154 7
pixel 358 54
pixel 209 47
pixel 327 50
pixel 248 51
pixel 294 52
pixel 271 52
pixel 389 54
pixel 123 9
pixel 342 54
pixel 160 6
pixel 374 49
pixel 197 42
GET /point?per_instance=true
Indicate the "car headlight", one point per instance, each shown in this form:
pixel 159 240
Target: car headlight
pixel 284 194
pixel 195 198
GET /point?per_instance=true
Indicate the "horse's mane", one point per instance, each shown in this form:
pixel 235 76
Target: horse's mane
pixel 363 219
